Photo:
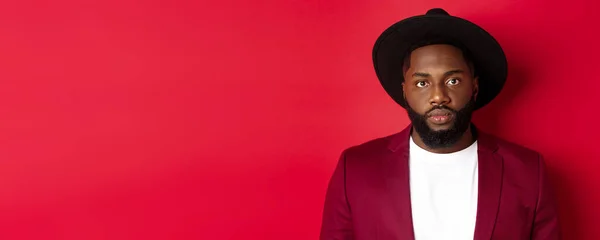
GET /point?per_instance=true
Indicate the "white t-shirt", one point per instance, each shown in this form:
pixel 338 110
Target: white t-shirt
pixel 443 191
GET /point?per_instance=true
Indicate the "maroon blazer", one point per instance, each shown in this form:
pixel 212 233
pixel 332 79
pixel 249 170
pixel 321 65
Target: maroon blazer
pixel 368 197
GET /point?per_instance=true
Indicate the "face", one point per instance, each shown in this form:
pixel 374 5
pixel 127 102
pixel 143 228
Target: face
pixel 440 90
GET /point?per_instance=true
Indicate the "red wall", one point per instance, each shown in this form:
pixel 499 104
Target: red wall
pixel 223 120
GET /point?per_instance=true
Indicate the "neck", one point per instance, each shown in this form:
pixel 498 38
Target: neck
pixel 465 141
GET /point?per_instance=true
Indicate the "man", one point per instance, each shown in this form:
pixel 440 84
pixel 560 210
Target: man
pixel 440 178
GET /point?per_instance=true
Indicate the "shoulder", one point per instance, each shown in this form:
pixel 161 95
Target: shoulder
pixel 380 144
pixel 510 149
pixel 516 157
pixel 365 163
pixel 371 150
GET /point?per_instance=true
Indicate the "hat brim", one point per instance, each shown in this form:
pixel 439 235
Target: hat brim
pixel 393 44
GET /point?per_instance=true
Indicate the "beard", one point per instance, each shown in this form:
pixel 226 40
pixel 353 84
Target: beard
pixel 437 139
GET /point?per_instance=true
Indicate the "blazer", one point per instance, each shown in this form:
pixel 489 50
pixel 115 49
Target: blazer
pixel 368 195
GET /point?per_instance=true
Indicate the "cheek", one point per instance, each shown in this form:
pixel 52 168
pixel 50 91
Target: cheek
pixel 459 99
pixel 418 102
pixel 462 94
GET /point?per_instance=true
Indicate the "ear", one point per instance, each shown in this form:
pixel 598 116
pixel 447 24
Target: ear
pixel 475 87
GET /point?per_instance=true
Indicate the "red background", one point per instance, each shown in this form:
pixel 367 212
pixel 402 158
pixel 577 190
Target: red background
pixel 224 119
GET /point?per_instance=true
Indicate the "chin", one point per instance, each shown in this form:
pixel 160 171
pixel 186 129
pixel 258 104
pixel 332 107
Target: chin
pixel 444 127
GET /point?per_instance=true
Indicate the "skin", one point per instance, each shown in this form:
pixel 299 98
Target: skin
pixel 439 75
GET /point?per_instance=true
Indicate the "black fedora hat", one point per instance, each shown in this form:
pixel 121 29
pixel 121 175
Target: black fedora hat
pixel 395 42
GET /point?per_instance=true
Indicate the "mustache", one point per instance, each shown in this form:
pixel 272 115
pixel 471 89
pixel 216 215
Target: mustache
pixel 440 107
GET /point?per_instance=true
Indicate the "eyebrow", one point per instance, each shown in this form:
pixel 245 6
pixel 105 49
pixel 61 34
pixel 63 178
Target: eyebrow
pixel 448 73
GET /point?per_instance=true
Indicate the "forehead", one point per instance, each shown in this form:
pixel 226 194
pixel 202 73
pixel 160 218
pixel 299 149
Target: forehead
pixel 436 56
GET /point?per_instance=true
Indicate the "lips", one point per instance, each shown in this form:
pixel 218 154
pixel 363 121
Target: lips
pixel 440 116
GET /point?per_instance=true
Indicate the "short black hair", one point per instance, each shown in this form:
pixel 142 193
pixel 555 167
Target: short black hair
pixel 435 41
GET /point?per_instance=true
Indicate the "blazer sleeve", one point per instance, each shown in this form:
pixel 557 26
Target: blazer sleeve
pixel 545 225
pixel 337 219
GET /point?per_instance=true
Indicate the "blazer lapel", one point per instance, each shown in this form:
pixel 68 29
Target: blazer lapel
pixel 398 185
pixel 490 187
pixel 490 184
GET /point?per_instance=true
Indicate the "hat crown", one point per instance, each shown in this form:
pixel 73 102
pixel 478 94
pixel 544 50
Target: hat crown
pixel 437 11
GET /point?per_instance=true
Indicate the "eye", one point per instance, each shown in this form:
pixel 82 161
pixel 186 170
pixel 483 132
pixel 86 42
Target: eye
pixel 421 84
pixel 453 81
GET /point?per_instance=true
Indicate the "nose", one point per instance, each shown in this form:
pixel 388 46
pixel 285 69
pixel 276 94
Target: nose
pixel 439 95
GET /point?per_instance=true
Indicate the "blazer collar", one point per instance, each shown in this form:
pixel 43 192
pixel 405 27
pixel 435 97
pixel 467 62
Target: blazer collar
pixel 490 165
